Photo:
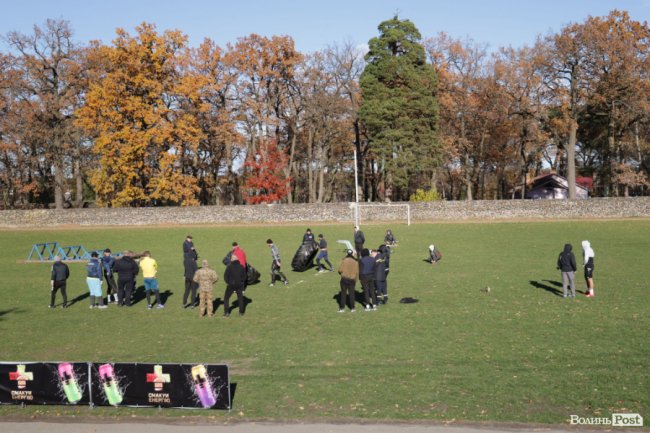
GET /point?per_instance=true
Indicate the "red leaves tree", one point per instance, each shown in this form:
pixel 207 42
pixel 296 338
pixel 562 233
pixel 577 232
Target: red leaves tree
pixel 265 181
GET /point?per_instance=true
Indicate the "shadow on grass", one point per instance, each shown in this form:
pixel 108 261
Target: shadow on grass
pixel 233 391
pixel 552 289
pixel 78 299
pixel 12 310
pixel 216 304
pixel 358 299
pixel 235 305
pixel 138 295
pixel 165 295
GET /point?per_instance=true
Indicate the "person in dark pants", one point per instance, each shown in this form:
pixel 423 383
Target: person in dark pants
pixel 349 272
pixel 367 276
pixel 276 265
pixel 589 255
pixel 359 240
pixel 380 277
pixel 58 281
pixel 322 254
pixel 566 263
pixel 126 268
pixel 235 278
pixel 189 263
pixel 107 267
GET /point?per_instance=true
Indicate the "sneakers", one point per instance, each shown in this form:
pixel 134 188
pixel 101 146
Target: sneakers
pixel 341 310
pixel 92 306
pixel 374 308
pixel 272 284
pixel 160 306
pixel 148 306
pixel 286 282
pixel 102 306
pixel 226 314
pixel 353 311
pixel 367 308
pixel 63 306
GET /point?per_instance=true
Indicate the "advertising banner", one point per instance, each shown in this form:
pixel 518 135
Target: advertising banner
pixel 201 386
pixel 167 385
pixel 44 383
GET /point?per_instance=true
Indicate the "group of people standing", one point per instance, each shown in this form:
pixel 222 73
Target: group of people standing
pixel 566 263
pixel 370 267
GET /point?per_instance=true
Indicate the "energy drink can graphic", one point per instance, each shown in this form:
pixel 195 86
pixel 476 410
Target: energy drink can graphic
pixel 69 381
pixel 202 386
pixel 109 384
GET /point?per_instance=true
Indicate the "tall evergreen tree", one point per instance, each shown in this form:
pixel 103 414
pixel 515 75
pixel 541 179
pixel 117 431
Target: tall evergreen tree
pixel 399 107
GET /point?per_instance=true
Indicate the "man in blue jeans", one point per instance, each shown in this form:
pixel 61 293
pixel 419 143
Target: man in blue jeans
pixel 322 254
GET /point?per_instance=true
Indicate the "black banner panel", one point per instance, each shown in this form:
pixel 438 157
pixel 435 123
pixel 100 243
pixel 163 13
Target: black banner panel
pixel 44 383
pixel 167 385
pixel 200 386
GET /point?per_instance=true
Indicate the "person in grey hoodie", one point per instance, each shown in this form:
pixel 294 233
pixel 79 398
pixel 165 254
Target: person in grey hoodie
pixel 588 255
pixel 566 263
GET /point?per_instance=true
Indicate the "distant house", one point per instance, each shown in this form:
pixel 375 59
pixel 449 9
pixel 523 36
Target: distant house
pixel 551 186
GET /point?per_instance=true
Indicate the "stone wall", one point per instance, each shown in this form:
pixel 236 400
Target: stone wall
pixel 479 210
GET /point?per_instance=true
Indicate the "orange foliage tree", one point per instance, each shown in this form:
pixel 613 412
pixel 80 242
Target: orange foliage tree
pixel 133 111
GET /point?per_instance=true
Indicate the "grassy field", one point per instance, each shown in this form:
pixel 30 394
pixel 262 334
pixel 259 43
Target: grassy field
pixel 519 353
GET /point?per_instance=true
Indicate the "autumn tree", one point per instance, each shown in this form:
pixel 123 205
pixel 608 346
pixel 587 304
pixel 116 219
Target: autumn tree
pixel 265 181
pixel 399 108
pixel 133 111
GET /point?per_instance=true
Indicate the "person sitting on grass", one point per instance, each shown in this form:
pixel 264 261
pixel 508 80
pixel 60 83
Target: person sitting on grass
pixel 389 239
pixel 434 255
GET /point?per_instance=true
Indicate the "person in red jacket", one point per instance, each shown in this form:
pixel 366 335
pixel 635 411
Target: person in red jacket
pixel 239 253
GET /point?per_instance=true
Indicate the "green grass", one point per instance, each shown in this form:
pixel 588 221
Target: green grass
pixel 517 354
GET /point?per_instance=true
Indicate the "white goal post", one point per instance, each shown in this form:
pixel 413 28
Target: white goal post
pixel 361 209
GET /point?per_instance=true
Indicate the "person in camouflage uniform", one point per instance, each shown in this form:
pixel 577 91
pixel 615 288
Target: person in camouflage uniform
pixel 205 277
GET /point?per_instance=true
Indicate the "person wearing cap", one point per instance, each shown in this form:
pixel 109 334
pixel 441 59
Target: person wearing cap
pixel 205 278
pixel 276 265
pixel 188 245
pixel 58 281
pixel 235 278
pixel 149 268
pixel 349 272
pixel 94 281
pixel 108 261
pixel 322 254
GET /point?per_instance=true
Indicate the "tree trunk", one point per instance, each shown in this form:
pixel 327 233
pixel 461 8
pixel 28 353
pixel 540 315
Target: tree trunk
pixel 79 199
pixel 310 173
pixel 571 159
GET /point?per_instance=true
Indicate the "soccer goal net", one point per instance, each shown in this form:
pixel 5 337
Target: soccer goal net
pixel 381 212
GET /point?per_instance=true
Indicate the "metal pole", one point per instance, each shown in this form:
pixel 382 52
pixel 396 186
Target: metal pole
pixel 356 191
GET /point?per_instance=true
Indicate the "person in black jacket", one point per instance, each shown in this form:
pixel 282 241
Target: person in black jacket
pixel 189 263
pixel 380 278
pixel 308 237
pixel 367 276
pixel 58 281
pixel 126 269
pixel 235 278
pixel 359 240
pixel 566 263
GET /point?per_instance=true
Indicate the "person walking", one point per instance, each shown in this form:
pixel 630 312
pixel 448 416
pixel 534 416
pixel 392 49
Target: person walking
pixel 94 281
pixel 588 259
pixel 126 269
pixel 367 276
pixel 276 265
pixel 149 268
pixel 349 272
pixel 189 264
pixel 566 263
pixel 205 278
pixel 58 281
pixel 235 278
pixel 359 240
pixel 322 254
pixel 108 261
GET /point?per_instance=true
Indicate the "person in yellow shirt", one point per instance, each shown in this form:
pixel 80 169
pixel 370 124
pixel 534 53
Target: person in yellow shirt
pixel 149 268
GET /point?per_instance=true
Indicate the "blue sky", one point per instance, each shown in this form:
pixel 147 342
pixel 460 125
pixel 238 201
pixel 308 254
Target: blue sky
pixel 315 24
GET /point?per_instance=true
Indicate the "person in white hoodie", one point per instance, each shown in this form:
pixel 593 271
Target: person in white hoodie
pixel 588 254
